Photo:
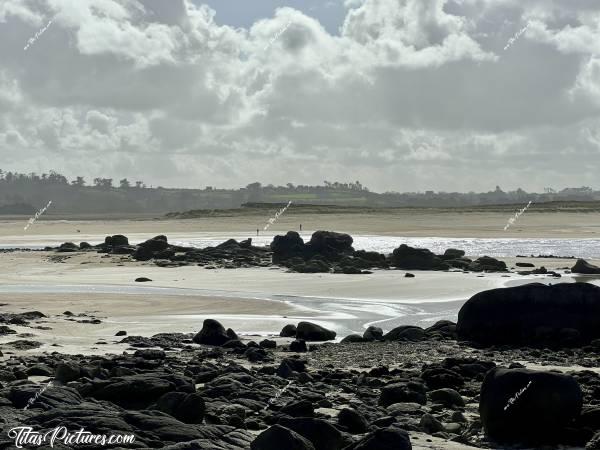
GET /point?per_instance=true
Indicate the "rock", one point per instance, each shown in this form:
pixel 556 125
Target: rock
pixel 117 240
pixel 440 377
pixel 121 333
pixel 526 264
pixel 212 333
pixel 278 438
pixel 430 424
pixel 68 247
pixel 288 331
pixel 289 246
pixel 330 244
pixel 410 258
pixel 85 245
pixel 444 327
pixel 189 408
pixel 594 443
pixel 525 406
pixel 453 253
pixel 584 267
pixel 321 434
pixel 409 275
pixel 268 343
pixel 313 265
pixel 150 354
pixel 156 244
pixel 298 408
pixel 142 254
pixel 401 393
pixel 405 332
pixel 298 346
pixel 390 438
pixel 67 371
pixel 532 313
pixel 353 421
pixel 373 334
pixel 447 397
pixel 40 370
pixel 140 390
pixel 142 280
pixel 4 330
pixel 313 332
pixel 351 338
pixel 487 264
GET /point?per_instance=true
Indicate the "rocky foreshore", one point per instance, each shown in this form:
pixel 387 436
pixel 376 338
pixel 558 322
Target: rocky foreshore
pixel 325 252
pixel 447 386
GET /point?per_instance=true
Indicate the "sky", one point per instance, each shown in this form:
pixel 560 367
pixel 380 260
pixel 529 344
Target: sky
pixel 403 95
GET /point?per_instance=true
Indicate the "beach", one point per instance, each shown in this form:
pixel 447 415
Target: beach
pixel 254 301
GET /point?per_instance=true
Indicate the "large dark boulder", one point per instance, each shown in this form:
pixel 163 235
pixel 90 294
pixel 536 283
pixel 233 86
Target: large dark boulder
pixel 156 244
pixel 353 421
pixel 410 258
pixel 584 267
pixel 525 406
pixel 331 244
pixel 278 438
pixel 313 332
pixel 390 438
pixel 288 331
pixel 212 333
pixel 373 333
pixel 288 246
pixel 561 314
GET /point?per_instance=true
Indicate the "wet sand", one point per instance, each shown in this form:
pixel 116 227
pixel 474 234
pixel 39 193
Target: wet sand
pixel 251 301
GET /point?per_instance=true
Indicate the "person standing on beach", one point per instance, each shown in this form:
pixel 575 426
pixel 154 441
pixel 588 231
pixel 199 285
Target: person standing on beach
pixel 257 231
pixel 300 227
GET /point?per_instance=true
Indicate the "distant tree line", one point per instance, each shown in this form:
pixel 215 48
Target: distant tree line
pixel 22 193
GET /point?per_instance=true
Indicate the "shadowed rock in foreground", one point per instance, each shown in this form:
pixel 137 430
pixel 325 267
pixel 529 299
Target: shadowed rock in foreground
pixel 526 406
pixel 564 314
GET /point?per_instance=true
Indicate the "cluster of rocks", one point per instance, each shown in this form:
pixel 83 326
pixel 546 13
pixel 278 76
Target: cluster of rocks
pixel 327 251
pixel 213 394
pixel 229 254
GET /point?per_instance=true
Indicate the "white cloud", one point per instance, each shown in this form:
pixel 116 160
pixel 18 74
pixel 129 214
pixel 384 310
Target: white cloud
pixel 412 94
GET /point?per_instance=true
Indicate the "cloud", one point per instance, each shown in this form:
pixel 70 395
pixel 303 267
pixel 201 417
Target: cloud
pixel 411 94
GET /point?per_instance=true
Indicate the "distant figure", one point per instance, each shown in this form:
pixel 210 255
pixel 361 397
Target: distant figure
pixel 257 231
pixel 300 227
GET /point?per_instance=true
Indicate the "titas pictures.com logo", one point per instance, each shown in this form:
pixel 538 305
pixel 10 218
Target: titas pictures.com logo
pixel 27 437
